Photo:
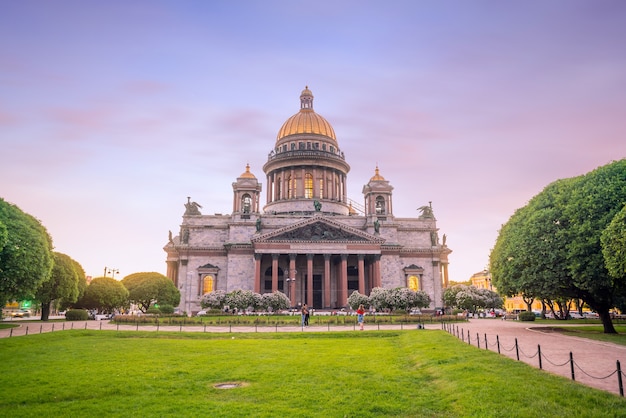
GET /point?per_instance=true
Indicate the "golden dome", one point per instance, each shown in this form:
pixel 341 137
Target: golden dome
pixel 306 121
pixel 247 174
pixel 377 176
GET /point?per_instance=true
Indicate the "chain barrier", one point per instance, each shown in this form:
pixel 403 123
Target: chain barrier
pixel 455 329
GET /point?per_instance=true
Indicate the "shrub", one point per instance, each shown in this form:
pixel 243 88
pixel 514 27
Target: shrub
pixel 166 309
pixel 526 316
pixel 154 311
pixel 76 315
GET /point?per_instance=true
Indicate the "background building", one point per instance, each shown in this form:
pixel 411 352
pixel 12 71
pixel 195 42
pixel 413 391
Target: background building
pixel 310 241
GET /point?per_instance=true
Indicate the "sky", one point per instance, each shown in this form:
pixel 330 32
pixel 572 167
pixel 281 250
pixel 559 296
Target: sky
pixel 113 112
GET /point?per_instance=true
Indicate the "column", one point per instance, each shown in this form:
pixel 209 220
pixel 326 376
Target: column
pixel 257 273
pixel 377 278
pixel 172 272
pixel 445 275
pixel 343 281
pixel 309 280
pixel 326 301
pixel 361 267
pixel 274 272
pixel 292 276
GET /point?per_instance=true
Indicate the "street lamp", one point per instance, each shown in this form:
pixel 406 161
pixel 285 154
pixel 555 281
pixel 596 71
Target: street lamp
pixel 111 271
pixel 291 281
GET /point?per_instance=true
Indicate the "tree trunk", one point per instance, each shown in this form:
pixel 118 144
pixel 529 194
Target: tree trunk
pixel 607 322
pixel 45 311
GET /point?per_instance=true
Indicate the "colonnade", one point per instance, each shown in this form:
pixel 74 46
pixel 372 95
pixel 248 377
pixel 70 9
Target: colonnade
pixel 319 280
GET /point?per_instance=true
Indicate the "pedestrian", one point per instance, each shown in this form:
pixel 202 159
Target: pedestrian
pixel 305 315
pixel 360 316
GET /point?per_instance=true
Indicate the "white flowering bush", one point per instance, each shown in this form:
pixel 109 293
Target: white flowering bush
pixel 356 299
pixel 471 298
pixel 275 301
pixel 379 299
pixel 400 298
pixel 214 300
pixel 243 300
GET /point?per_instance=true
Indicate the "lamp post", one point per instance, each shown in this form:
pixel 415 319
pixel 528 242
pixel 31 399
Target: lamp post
pixel 111 271
pixel 291 281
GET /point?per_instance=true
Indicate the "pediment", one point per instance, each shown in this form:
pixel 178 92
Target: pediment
pixel 319 229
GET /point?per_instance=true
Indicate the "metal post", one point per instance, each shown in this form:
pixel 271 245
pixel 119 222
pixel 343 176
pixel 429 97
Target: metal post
pixel 539 355
pixel 619 379
pixel 477 340
pixel 498 343
pixel 571 362
pixel 516 349
pixel 486 345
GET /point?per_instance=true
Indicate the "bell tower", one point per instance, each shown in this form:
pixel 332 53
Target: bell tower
pixel 246 193
pixel 377 195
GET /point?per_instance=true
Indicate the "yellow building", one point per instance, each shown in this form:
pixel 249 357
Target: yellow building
pixel 482 280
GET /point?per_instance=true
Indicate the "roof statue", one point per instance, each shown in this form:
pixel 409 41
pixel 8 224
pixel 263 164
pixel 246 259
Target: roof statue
pixel 191 208
pixel 427 211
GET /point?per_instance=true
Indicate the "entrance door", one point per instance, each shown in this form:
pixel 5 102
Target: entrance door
pixel 317 291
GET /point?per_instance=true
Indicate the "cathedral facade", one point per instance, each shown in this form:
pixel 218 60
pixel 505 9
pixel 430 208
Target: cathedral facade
pixel 309 240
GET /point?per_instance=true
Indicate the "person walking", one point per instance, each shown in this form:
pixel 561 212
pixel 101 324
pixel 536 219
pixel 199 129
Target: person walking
pixel 305 315
pixel 360 316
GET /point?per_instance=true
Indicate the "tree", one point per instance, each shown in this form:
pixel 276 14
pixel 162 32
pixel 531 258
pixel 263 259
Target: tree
pixel 63 284
pixel 550 249
pixel 105 294
pixel 613 242
pixel 25 254
pixel 146 289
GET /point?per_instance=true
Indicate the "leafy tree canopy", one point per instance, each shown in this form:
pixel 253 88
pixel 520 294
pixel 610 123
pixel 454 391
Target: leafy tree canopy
pixel 25 254
pixel 105 294
pixel 148 288
pixel 63 283
pixel 551 248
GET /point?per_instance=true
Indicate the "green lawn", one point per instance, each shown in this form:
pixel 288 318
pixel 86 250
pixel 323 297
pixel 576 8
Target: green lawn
pixel 332 374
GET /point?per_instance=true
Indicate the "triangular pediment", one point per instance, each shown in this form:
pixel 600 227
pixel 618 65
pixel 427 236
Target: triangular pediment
pixel 319 229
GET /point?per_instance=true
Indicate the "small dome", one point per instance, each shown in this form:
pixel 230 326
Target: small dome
pixel 306 121
pixel 377 176
pixel 247 174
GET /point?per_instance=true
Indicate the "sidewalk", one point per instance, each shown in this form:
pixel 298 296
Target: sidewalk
pixel 593 360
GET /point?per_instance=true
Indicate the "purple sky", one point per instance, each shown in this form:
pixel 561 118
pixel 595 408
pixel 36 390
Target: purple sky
pixel 113 112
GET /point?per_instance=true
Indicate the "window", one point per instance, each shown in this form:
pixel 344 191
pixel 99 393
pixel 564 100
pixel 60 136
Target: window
pixel 308 186
pixel 293 146
pixel 332 149
pixel 321 188
pixel 300 145
pixel 414 283
pixel 246 203
pixel 380 205
pixel 208 284
pixel 323 147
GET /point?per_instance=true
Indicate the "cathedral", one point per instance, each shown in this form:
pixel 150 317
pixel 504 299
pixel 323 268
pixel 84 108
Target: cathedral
pixel 309 240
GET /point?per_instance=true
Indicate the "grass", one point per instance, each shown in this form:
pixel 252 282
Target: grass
pixel 596 333
pixel 338 374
